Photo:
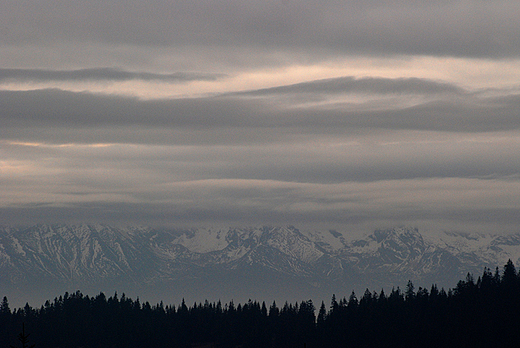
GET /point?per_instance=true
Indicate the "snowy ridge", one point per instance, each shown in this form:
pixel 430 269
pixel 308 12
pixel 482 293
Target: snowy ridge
pixel 217 257
pixel 203 240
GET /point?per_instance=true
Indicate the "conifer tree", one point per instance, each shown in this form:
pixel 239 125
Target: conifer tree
pixel 509 275
pixel 322 315
pixel 4 307
pixel 24 339
pixel 334 303
pixel 410 291
pixel 352 300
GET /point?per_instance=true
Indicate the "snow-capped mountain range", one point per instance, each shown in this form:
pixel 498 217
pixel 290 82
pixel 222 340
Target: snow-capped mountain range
pixel 255 262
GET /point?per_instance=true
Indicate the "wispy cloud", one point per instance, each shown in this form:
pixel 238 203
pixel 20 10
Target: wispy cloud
pixel 367 85
pixel 442 107
pixel 101 74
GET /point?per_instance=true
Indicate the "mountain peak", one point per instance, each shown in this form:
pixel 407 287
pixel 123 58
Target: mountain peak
pixel 218 258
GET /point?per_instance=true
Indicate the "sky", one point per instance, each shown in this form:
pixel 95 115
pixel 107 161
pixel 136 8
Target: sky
pixel 349 114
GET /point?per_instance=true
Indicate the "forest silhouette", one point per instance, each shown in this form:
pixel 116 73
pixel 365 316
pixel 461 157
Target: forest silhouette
pixel 476 313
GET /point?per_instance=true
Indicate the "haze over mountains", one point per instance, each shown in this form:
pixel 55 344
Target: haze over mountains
pixel 264 263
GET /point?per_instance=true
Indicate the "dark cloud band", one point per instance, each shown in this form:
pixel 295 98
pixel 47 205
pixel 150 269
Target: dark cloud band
pixel 100 74
pixel 350 84
pixel 436 107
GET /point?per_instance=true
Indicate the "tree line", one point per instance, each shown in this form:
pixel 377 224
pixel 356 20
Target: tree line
pixel 476 313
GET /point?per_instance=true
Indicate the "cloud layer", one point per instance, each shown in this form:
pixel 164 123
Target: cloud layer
pixel 472 28
pixel 349 114
pixel 98 74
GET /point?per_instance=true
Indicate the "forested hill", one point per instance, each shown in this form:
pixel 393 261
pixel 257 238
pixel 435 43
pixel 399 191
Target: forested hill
pixel 480 312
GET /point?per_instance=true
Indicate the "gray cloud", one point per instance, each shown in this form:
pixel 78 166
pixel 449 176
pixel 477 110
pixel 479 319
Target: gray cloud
pixel 57 108
pixel 350 84
pixel 446 202
pixel 377 179
pixel 318 159
pixel 441 28
pixel 100 74
pixel 416 105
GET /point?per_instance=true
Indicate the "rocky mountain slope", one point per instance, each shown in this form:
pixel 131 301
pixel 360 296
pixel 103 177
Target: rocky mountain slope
pixel 240 263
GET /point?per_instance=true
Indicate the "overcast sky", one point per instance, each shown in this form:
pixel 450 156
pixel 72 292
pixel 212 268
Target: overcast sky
pixel 352 115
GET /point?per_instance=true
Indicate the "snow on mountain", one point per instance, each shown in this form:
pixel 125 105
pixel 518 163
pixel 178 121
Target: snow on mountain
pixel 292 242
pixel 279 259
pixel 73 252
pixel 330 240
pixel 393 255
pixel 203 240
